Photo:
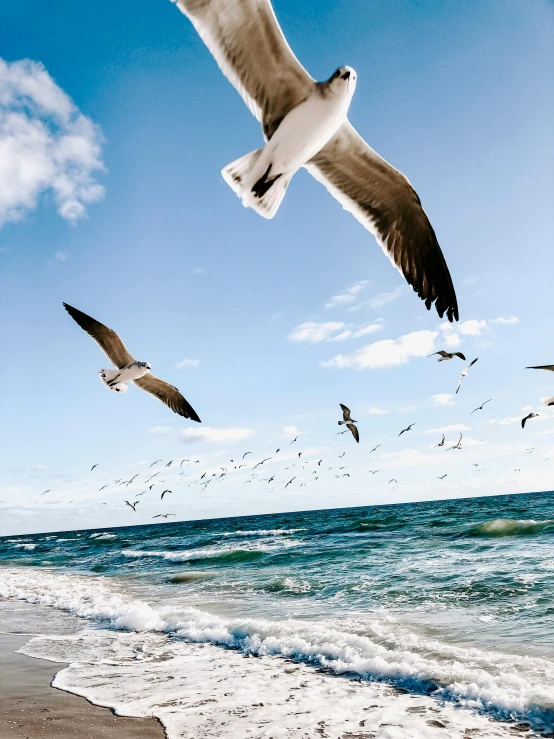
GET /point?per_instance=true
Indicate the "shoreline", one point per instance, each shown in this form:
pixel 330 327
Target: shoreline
pixel 30 707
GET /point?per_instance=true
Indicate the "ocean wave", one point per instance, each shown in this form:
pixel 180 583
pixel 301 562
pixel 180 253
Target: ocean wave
pixel 223 553
pixel 379 649
pixel 102 536
pixel 263 532
pixel 511 527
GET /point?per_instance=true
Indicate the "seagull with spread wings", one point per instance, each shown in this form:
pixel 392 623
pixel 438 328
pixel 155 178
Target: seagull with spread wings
pixel 128 369
pixel 441 442
pixel 480 407
pixel 530 415
pixel 408 428
pixel 464 373
pixel 305 124
pixel 445 356
pixel 457 445
pixel 349 422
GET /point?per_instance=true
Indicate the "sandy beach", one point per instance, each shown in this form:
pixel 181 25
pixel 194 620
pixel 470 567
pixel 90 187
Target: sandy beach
pixel 30 708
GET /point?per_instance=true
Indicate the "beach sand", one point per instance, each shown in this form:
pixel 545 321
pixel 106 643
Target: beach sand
pixel 30 708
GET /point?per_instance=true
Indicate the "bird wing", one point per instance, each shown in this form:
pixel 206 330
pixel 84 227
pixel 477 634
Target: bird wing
pixel 345 412
pixel 249 47
pixel 168 394
pixel 105 337
pixel 460 380
pixel 543 366
pixel 355 432
pixel 472 363
pixel 384 202
pixel 459 354
pixel 523 421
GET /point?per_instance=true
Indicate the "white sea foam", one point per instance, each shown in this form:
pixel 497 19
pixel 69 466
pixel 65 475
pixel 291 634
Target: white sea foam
pixel 25 546
pixel 379 648
pixel 209 552
pixel 263 532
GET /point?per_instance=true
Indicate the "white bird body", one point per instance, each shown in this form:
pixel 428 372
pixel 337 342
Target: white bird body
pixel 117 379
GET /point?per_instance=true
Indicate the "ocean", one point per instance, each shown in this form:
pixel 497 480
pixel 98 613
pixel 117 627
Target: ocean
pixel 407 620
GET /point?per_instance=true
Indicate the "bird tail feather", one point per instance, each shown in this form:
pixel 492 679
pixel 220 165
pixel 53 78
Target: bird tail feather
pixel 265 195
pixel 108 377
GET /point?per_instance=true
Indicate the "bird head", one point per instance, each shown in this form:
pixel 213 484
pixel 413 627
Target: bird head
pixel 145 365
pixel 343 81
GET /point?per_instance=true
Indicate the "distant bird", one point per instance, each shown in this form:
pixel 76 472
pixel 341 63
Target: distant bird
pixel 156 462
pixel 407 429
pixel 480 408
pixel 392 480
pixel 441 443
pixel 442 477
pixel 289 482
pixel 203 476
pixel 374 448
pixel 518 470
pixel 163 515
pixel 152 477
pixel 349 422
pixel 530 415
pixel 476 464
pixel 319 463
pixel 139 494
pixel 128 369
pixel 259 463
pixel 305 124
pixel 271 479
pixel 46 491
pixel 373 472
pixel 93 466
pixel 464 373
pixel 169 463
pixel 457 445
pixel 151 486
pixel 346 474
pixel 277 451
pixel 102 488
pixel 132 505
pixel 164 492
pixel 445 356
pixel 299 455
pixel 181 463
pixel 342 455
pixel 341 432
pixel 245 453
pixel 295 439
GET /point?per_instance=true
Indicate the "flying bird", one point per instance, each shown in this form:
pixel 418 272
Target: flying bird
pixel 441 443
pixel 156 462
pixel 406 429
pixel 102 488
pixel 164 492
pixel 277 451
pixel 132 505
pixel 464 373
pixel 93 466
pixel 442 477
pixel 169 463
pixel 457 445
pixel 289 482
pixel 530 415
pixel 46 491
pixel 445 356
pixel 164 515
pixel 295 439
pixel 128 368
pixel 305 124
pixel 373 472
pixel 392 480
pixel 349 422
pixel 374 448
pixel 480 407
pixel 263 460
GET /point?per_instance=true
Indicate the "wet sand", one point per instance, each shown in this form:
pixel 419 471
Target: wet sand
pixel 30 708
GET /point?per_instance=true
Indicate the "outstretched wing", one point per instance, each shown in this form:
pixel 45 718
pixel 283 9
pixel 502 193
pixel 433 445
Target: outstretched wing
pixel 459 354
pixel 355 432
pixel 249 47
pixel 105 337
pixel 168 394
pixel 543 366
pixel 384 202
pixel 345 412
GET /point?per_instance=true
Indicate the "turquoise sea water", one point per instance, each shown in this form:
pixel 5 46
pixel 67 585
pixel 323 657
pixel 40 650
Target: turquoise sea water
pixel 424 587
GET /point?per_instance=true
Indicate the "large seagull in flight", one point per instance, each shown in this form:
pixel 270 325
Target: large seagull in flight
pixel 305 124
pixel 128 369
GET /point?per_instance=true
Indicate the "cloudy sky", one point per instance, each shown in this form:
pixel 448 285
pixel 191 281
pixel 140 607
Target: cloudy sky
pixel 114 125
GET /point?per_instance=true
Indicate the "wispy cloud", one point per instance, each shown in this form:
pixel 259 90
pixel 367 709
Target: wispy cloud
pixel 348 296
pixel 386 353
pixel 214 436
pixel 508 321
pixel 377 412
pixel 193 363
pixel 382 299
pixel 443 398
pixel 46 144
pixel 451 427
pixel 314 332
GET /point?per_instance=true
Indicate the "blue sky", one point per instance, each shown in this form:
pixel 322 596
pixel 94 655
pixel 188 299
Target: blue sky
pixel 142 233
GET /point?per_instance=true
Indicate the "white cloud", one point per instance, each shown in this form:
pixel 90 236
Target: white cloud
pixel 60 256
pixel 291 431
pixel 162 429
pixel 371 328
pixel 446 429
pixel 377 412
pixel 509 321
pixel 46 145
pixel 443 398
pixel 379 301
pixel 349 295
pixel 214 436
pixel 387 353
pixel 188 363
pixel 199 271
pixel 452 341
pixel 315 332
pixel 472 327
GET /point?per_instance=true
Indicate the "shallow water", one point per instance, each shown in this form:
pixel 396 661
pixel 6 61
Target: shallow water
pixel 453 599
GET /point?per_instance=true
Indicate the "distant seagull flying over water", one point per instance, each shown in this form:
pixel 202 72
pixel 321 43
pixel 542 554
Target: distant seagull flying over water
pixel 524 420
pixel 406 429
pixel 164 515
pixel 349 422
pixel 132 505
pixel 305 124
pixel 480 407
pixel 445 356
pixel 464 373
pixel 128 369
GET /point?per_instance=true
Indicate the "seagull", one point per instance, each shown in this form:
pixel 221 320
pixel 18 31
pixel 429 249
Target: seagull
pixel 441 443
pixel 464 373
pixel 480 408
pixel 342 455
pixel 277 451
pixel 392 480
pixel 442 477
pixel 341 432
pixel 445 356
pixel 289 482
pixel 457 445
pixel 169 463
pixel 139 494
pixel 373 472
pixel 128 369
pixel 102 488
pixel 263 460
pixel 299 455
pixel 406 429
pixel 164 492
pixel 93 466
pixel 245 453
pixel 524 420
pixel 295 439
pixel 349 422
pixel 374 448
pixel 132 505
pixel 46 491
pixel 305 124
pixel 156 462
pixel 346 474
pixel 164 515
pixel 319 463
